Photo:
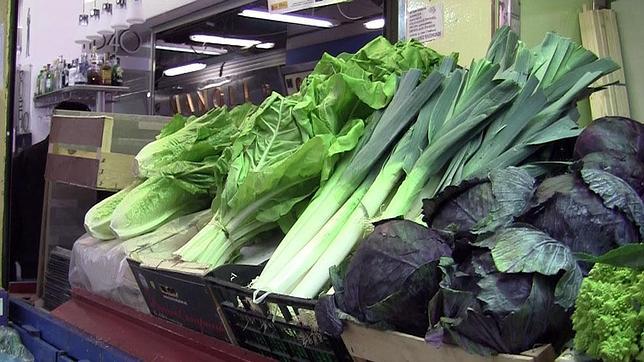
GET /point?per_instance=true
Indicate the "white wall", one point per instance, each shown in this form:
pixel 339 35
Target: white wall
pixel 53 30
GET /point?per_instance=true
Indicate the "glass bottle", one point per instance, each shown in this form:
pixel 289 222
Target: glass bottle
pixel 65 74
pixel 49 79
pixel 82 67
pixel 117 73
pixel 39 83
pixel 72 72
pixel 94 70
pixel 106 71
pixel 42 89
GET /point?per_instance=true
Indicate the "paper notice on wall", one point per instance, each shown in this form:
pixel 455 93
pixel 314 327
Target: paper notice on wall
pixel 287 6
pixel 426 23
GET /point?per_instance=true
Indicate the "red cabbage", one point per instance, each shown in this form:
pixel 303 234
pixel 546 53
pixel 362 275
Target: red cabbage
pixel 388 281
pixel 623 165
pixel 591 212
pixel 506 294
pixel 617 134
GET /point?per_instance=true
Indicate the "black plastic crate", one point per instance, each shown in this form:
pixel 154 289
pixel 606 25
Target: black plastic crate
pixel 255 327
pixel 180 298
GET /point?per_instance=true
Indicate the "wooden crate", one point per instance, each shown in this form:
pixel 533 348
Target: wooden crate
pixel 80 154
pixel 88 153
pixel 97 150
pixel 367 344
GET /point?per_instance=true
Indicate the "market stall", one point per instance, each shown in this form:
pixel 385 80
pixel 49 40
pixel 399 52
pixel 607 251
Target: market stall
pixel 305 188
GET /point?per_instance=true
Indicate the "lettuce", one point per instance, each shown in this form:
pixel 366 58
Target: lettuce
pixel 290 145
pixel 153 203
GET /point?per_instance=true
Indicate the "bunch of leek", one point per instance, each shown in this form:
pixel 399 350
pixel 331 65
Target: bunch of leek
pixel 496 114
pixel 293 143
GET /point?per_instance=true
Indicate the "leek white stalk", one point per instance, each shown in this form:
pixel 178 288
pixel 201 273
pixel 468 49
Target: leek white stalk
pixel 286 280
pixel 406 104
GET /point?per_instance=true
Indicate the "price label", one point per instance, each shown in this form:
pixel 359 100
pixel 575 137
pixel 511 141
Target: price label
pixel 425 24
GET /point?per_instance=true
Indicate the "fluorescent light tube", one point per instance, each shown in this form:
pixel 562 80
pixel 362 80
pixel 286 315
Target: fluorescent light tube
pixel 293 19
pixel 189 68
pixel 215 84
pixel 265 46
pixel 375 24
pixel 212 39
pixel 187 49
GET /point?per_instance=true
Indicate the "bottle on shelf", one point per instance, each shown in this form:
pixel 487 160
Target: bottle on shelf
pixel 117 73
pixel 65 74
pixel 94 70
pixel 49 79
pixel 83 66
pixel 54 75
pixel 106 70
pixel 72 72
pixel 39 83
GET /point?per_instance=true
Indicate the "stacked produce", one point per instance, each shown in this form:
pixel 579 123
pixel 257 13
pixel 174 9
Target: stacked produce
pixel 518 249
pixel 496 114
pixel 377 143
pixel 291 145
pixel 608 319
pixel 257 163
pixel 179 173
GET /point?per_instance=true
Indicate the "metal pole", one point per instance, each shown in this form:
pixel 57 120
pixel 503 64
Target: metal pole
pixel 100 101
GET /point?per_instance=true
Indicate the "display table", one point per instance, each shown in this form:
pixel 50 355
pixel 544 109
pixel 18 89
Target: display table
pixel 89 327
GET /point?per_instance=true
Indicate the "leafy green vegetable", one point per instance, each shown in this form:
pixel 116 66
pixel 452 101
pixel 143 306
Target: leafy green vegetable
pixel 153 203
pixel 608 319
pixel 291 145
pixel 206 136
pixel 97 219
pixel 176 123
pixel 406 103
pixel 629 255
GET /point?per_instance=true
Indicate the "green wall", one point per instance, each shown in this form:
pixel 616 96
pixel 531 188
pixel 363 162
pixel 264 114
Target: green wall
pixel 629 18
pixel 561 16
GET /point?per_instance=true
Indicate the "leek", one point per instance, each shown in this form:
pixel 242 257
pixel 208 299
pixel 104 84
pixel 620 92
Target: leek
pixel 404 106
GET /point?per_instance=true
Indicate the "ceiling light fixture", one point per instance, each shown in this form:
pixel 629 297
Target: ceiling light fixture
pixel 215 84
pixel 375 24
pixel 293 19
pixel 213 39
pixel 184 69
pixel 188 49
pixel 265 46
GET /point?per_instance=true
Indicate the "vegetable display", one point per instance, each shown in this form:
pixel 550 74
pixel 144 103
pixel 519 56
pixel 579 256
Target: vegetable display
pixel 179 173
pixel 406 255
pixel 293 142
pixel 415 195
pixel 496 114
pixel 520 249
pixel 608 319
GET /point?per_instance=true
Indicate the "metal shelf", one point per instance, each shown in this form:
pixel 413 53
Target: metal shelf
pixel 98 95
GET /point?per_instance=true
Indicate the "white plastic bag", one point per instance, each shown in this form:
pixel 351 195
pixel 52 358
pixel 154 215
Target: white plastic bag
pixel 101 267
